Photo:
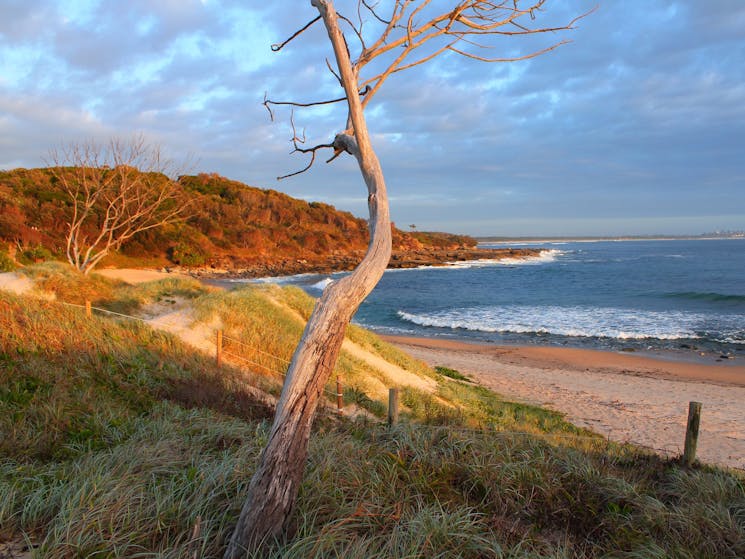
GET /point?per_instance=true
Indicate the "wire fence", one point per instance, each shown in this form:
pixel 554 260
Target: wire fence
pixel 90 308
pixel 595 440
pixel 337 395
pixel 240 358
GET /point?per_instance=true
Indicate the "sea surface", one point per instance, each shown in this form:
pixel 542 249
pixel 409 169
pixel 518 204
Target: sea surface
pixel 655 296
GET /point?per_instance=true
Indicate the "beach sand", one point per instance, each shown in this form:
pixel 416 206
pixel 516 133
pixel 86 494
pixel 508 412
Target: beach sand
pixel 624 397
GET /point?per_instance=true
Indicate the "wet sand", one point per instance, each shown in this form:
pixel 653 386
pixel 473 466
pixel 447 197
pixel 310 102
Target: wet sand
pixel 625 397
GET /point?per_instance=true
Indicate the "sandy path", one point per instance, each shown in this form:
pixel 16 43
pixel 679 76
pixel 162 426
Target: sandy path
pixel 181 323
pixel 628 398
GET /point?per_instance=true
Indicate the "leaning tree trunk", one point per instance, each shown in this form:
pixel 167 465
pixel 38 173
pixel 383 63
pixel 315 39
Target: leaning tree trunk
pixel 273 490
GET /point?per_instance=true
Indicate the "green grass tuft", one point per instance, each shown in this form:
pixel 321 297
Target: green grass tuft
pixel 6 262
pixel 452 373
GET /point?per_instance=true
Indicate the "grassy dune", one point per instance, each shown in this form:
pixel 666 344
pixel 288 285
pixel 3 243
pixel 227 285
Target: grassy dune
pixel 117 440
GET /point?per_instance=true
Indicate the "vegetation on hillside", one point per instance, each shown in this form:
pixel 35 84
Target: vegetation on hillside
pixel 232 225
pixel 118 441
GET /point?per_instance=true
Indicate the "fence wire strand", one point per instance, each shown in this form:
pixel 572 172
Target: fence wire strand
pixel 257 350
pixel 107 311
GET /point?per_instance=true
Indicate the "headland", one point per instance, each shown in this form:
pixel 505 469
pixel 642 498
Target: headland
pixel 340 261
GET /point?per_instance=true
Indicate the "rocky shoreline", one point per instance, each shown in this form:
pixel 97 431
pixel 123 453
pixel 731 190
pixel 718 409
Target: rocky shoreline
pixel 337 262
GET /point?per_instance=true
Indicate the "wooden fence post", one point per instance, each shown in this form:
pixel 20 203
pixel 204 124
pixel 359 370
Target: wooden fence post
pixel 392 406
pixel 339 395
pixel 88 309
pixel 218 348
pixel 694 419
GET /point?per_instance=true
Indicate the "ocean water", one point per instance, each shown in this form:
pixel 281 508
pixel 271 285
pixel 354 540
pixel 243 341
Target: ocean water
pixel 684 296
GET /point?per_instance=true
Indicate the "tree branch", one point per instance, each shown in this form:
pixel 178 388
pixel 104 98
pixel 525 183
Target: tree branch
pixel 268 102
pixel 356 31
pixel 312 151
pixel 279 46
pixel 371 9
pixel 510 59
pixel 404 42
pixel 296 141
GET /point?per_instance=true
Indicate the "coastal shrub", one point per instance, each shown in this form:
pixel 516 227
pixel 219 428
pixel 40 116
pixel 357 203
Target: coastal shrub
pixel 443 240
pixel 6 262
pixel 228 220
pixel 34 255
pixel 188 254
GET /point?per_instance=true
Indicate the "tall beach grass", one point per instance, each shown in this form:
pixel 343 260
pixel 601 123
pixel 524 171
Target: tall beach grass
pixel 117 440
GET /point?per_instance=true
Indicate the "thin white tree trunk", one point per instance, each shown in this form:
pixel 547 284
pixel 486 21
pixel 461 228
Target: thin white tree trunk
pixel 273 490
pixel 271 496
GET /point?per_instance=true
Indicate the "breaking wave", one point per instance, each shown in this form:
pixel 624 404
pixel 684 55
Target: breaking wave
pixel 585 322
pixel 321 285
pixel 544 257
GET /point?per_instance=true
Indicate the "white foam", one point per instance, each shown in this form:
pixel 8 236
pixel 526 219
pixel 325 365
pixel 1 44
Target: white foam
pixel 543 258
pixel 273 279
pixel 736 338
pixel 585 322
pixel 323 284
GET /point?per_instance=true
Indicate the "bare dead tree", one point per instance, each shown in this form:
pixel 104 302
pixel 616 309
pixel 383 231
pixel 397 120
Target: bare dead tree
pixel 408 34
pixel 116 190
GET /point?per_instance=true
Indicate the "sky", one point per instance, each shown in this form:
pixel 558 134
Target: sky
pixel 636 126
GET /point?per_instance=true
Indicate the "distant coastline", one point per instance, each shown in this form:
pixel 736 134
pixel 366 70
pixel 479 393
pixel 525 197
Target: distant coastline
pixel 340 262
pixel 591 239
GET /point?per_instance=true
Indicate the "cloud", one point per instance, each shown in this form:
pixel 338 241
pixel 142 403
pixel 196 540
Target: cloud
pixel 642 115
